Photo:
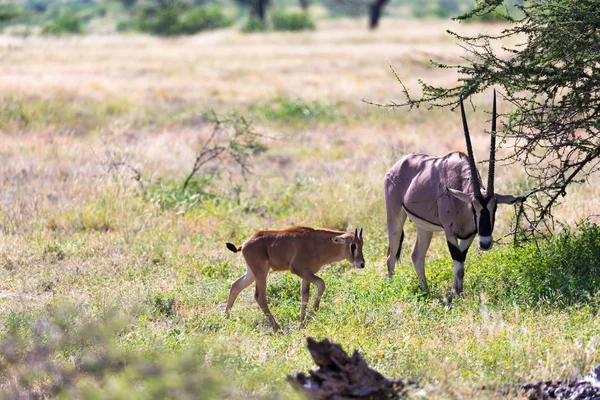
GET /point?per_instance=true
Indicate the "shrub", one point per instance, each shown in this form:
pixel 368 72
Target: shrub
pixel 164 21
pixel 67 23
pixel 254 24
pixel 203 18
pixel 562 271
pixel 175 20
pixel 295 21
pixel 8 13
pixel 126 26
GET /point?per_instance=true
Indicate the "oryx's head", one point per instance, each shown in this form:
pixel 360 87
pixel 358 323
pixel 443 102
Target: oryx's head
pixel 353 247
pixel 483 205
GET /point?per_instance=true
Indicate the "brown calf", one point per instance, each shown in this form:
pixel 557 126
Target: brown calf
pixel 299 249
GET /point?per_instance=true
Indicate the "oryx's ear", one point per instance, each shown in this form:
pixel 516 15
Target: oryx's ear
pixel 338 239
pixel 509 199
pixel 462 196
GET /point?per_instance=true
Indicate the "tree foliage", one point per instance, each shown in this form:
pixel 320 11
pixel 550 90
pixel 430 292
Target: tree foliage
pixel 552 80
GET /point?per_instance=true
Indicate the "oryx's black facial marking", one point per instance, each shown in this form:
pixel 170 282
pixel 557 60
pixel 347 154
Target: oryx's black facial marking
pixel 485 225
pixel 456 254
pixel 352 249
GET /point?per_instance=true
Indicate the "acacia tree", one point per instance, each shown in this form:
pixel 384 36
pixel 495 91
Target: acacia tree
pixel 552 79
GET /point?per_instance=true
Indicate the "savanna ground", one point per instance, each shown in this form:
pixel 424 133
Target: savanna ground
pixel 81 238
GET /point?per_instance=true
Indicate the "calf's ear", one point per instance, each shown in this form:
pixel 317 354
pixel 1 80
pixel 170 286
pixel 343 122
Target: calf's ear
pixel 338 240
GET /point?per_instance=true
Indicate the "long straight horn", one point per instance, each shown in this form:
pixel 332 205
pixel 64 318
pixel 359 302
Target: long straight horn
pixel 360 233
pixel 474 178
pixel 490 182
pixel 356 233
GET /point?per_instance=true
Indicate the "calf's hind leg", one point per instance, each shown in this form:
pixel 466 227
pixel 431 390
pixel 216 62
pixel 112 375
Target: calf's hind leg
pixel 237 287
pixel 261 295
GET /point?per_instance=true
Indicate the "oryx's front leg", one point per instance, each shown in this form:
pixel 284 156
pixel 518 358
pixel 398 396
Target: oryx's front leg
pixel 418 255
pixel 458 251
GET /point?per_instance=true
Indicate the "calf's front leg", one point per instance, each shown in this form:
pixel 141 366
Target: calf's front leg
pixel 310 277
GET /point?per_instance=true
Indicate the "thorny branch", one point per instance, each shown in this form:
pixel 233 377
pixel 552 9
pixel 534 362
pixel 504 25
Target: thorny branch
pixel 550 79
pixel 113 161
pixel 232 138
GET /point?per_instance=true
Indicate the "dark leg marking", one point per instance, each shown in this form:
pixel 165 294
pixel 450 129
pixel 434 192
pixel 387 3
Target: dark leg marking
pixel 400 246
pixel 456 254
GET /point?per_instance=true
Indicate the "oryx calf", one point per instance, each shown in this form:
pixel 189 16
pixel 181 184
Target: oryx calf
pixel 442 194
pixel 299 249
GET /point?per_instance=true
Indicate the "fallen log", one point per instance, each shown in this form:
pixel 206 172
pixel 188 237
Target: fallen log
pixel 586 388
pixel 341 377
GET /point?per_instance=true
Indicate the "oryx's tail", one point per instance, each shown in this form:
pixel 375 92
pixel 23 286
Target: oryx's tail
pixel 232 247
pixel 400 246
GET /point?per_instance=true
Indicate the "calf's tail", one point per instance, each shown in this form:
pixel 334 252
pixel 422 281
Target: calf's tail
pixel 232 247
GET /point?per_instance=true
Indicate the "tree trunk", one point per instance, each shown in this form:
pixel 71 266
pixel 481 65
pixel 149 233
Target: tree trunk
pixel 304 4
pixel 375 10
pixel 259 9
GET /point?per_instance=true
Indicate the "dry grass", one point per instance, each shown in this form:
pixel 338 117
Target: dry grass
pixel 75 231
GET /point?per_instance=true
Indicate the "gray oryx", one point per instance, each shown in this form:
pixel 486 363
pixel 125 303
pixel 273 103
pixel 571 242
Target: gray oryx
pixel 442 194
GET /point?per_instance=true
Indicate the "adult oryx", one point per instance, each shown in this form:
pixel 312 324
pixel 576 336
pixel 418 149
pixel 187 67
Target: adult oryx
pixel 442 194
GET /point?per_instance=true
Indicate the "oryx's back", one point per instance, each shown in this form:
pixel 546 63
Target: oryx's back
pixel 417 181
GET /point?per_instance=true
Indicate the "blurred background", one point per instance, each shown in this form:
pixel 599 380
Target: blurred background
pixel 187 17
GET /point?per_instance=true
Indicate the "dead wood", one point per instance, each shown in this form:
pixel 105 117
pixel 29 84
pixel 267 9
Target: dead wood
pixel 586 388
pixel 343 377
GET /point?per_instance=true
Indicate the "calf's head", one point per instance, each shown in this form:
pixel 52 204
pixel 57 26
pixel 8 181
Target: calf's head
pixel 353 247
pixel 483 206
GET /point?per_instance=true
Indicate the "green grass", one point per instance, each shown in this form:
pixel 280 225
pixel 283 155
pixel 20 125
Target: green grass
pixel 298 111
pixel 82 116
pixel 122 281
pixel 129 280
pixel 530 308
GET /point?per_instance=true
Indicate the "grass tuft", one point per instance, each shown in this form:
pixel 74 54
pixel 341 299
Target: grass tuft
pixel 295 110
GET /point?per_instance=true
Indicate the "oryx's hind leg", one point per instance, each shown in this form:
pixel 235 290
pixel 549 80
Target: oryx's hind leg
pixel 418 255
pixel 458 251
pixel 237 287
pixel 396 217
